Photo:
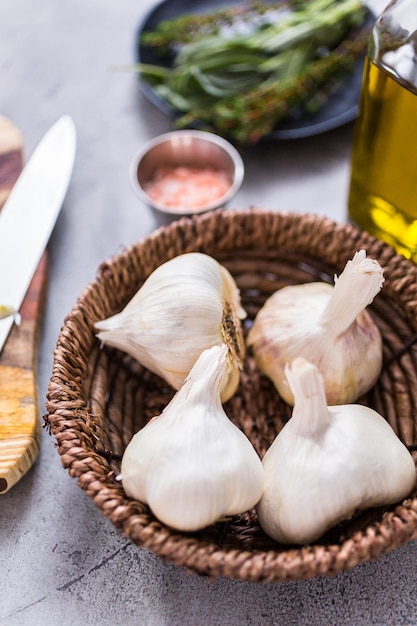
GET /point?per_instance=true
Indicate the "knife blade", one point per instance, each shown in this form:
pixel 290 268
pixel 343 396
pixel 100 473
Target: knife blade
pixel 20 424
pixel 30 212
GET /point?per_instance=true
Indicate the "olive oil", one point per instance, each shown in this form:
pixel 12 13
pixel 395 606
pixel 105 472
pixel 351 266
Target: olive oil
pixel 383 190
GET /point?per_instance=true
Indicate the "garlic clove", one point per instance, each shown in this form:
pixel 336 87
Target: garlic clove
pixel 327 325
pixel 191 464
pixel 186 306
pixel 327 463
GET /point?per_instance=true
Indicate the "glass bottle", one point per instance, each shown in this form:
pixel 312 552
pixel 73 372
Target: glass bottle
pixel 383 187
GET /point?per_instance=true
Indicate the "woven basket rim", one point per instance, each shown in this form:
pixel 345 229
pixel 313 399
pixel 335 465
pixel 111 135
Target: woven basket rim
pixel 68 413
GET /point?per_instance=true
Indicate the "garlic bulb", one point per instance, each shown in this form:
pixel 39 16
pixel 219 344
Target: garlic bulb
pixel 186 305
pixel 328 326
pixel 328 462
pixel 191 464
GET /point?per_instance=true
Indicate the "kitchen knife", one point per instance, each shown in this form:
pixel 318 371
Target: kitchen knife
pixel 30 212
pixel 20 427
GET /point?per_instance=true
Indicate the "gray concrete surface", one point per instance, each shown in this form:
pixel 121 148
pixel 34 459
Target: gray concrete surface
pixel 61 562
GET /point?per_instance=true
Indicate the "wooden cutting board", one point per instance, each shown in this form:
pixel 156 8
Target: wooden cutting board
pixel 20 421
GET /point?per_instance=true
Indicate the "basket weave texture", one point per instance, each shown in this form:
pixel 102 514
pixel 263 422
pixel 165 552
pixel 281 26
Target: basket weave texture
pixel 98 397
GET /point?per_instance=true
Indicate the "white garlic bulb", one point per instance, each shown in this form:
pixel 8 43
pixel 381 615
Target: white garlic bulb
pixel 187 305
pixel 191 464
pixel 328 462
pixel 327 325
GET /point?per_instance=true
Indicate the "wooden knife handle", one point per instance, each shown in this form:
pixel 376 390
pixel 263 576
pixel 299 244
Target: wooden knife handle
pixel 20 423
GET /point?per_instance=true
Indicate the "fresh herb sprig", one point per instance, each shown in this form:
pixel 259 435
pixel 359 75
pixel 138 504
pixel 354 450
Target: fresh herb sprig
pixel 243 84
pixel 193 26
pixel 250 117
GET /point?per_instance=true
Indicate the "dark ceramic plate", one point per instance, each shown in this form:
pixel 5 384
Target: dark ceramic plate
pixel 340 108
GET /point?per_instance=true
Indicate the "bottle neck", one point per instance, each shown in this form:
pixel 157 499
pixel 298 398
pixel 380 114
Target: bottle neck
pixel 393 42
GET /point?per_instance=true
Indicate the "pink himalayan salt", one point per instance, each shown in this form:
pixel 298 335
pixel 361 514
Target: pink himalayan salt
pixel 187 186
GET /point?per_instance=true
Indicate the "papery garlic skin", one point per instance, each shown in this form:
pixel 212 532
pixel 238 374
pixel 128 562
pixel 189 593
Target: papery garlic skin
pixel 191 464
pixel 328 462
pixel 186 306
pixel 327 325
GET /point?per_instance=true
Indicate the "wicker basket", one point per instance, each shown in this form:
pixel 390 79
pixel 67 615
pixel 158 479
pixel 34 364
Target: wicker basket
pixel 98 398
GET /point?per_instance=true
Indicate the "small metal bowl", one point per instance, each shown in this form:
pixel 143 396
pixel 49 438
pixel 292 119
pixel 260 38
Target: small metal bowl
pixel 188 149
